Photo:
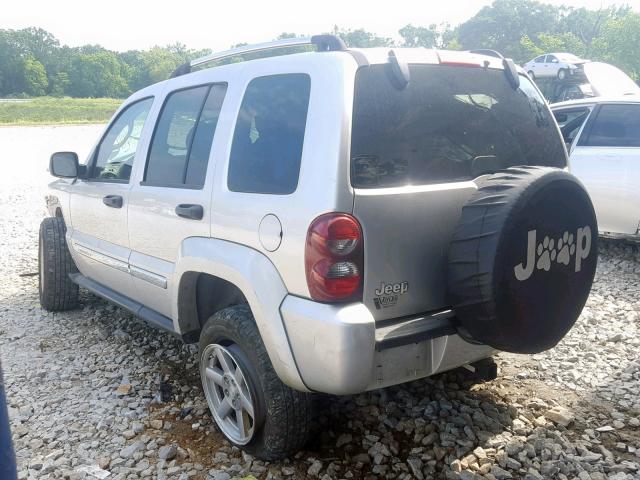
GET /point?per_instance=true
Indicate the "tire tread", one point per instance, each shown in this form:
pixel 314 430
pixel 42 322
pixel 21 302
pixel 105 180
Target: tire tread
pixel 289 412
pixel 57 290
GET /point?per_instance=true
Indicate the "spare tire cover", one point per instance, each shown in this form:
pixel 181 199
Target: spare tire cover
pixel 523 258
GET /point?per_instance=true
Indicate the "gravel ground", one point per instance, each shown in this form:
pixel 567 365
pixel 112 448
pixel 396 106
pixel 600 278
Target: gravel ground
pixel 94 392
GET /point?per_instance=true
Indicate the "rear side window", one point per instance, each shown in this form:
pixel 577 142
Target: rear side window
pixel 615 126
pixel 267 142
pixel 182 141
pixel 449 124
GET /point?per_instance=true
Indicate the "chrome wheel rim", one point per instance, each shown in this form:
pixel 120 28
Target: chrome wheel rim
pixel 228 395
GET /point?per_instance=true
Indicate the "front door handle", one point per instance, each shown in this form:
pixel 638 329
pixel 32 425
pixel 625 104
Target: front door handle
pixel 114 201
pixel 187 210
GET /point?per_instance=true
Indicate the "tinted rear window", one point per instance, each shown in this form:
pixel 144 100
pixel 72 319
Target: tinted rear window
pixel 449 124
pixel 267 142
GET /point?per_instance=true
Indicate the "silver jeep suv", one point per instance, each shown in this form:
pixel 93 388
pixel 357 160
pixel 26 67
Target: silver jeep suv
pixel 332 221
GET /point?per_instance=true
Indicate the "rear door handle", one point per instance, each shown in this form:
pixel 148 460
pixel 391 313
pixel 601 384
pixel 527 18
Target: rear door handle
pixel 187 210
pixel 114 201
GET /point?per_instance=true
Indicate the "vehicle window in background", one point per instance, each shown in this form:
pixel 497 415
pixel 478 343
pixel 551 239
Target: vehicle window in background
pixel 449 124
pixel 615 126
pixel 570 122
pixel 551 59
pixel 539 59
pixel 117 150
pixel 267 142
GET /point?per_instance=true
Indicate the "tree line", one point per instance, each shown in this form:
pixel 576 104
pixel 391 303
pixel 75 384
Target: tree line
pixel 34 63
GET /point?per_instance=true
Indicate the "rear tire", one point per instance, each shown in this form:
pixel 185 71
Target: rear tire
pixel 281 415
pixel 57 291
pixel 562 74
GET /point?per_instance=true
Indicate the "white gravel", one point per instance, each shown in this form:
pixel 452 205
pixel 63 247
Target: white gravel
pixel 85 387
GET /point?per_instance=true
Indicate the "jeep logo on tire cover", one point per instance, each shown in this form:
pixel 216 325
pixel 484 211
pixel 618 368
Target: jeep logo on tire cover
pixel 543 255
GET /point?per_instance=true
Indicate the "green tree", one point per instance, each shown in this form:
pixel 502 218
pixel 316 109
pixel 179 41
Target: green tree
pixel 548 42
pixel 59 84
pixel 419 36
pixel 360 38
pixel 618 43
pixel 502 25
pixel 97 75
pixel 34 77
pixel 587 24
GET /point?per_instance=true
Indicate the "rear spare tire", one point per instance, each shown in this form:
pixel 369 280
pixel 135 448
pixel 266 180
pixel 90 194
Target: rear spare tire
pixel 523 258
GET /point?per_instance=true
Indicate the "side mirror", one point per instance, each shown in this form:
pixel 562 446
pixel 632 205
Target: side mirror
pixel 64 165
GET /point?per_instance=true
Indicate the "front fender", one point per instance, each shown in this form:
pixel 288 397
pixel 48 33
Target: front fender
pixel 257 278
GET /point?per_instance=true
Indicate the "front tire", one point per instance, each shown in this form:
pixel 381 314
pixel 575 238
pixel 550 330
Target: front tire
pixel 57 291
pixel 562 74
pixel 250 404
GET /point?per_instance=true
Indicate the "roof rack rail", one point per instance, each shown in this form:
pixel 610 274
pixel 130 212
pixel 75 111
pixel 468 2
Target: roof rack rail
pixel 323 43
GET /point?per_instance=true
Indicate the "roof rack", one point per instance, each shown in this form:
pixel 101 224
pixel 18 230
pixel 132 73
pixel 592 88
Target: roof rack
pixel 323 43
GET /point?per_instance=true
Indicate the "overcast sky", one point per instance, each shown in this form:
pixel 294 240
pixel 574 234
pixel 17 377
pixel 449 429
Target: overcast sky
pixel 217 24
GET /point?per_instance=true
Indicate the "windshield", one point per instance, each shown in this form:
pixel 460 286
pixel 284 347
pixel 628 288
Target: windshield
pixel 608 80
pixel 450 123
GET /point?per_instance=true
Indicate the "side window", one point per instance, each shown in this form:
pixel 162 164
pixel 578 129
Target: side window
pixel 267 142
pixel 183 137
pixel 570 122
pixel 615 126
pixel 552 59
pixel 539 59
pixel 117 150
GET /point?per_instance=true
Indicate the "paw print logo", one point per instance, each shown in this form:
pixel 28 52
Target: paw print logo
pixel 566 248
pixel 546 254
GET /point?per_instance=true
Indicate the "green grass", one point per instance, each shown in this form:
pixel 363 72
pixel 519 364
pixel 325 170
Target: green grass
pixel 51 110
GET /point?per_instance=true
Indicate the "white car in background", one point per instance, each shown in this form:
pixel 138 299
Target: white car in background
pixel 602 136
pixel 556 65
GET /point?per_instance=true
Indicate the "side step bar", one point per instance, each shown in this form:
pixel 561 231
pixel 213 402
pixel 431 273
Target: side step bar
pixel 152 317
pixel 414 330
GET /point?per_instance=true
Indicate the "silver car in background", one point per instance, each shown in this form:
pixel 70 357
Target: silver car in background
pixel 556 65
pixel 602 136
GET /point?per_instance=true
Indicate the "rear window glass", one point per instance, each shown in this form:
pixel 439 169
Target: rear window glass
pixel 267 142
pixel 615 126
pixel 449 124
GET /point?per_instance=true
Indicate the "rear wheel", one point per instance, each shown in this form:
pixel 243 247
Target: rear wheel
pixel 57 291
pixel 249 403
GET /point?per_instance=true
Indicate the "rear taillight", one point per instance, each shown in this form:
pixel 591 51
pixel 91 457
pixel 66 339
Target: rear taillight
pixel 334 258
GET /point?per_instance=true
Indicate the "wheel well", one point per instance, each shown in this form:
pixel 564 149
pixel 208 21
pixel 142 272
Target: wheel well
pixel 200 296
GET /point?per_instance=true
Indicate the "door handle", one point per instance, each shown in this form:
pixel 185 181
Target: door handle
pixel 187 210
pixel 114 201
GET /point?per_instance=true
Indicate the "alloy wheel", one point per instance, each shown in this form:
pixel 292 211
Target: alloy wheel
pixel 228 394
